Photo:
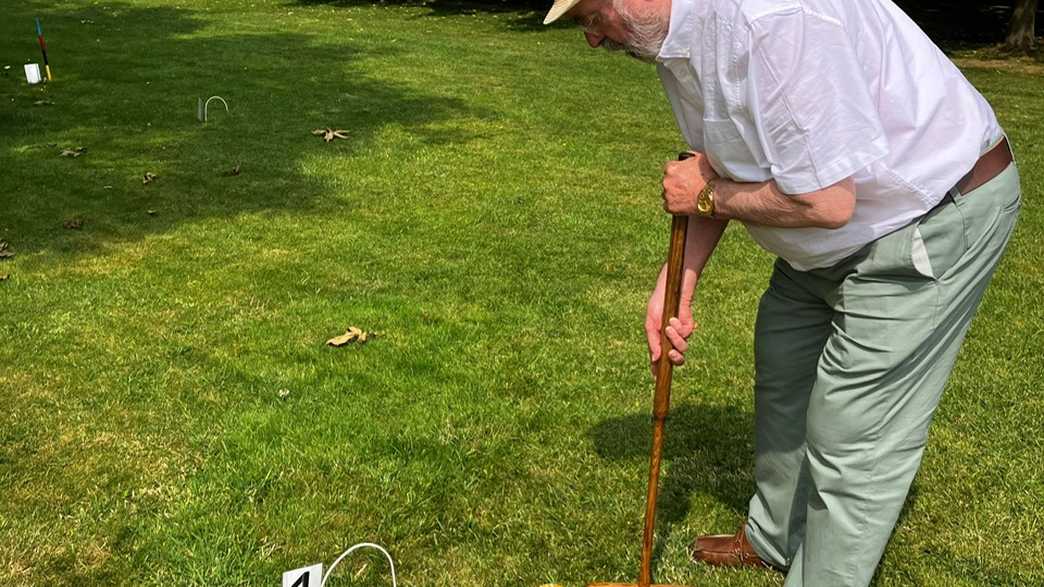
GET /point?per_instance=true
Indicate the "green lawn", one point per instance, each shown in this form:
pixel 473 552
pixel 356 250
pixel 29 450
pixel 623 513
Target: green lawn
pixel 495 214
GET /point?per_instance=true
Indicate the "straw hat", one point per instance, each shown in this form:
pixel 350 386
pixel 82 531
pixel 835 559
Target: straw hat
pixel 559 8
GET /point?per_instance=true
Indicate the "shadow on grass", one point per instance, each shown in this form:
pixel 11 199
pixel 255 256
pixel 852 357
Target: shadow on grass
pixel 127 80
pixel 954 24
pixel 963 25
pixel 707 450
pixel 523 15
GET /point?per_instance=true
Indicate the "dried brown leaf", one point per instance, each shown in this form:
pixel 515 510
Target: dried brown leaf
pixel 148 178
pixel 5 276
pixel 329 134
pixel 233 172
pixel 73 223
pixel 74 152
pixel 341 340
pixel 353 334
pixel 5 250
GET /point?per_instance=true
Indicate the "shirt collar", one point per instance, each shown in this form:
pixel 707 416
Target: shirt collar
pixel 679 31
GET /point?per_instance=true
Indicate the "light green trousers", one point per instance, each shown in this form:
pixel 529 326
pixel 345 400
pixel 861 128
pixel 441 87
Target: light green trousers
pixel 850 364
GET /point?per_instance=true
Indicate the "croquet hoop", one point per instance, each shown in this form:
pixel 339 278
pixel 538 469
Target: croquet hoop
pixel 201 110
pixel 391 563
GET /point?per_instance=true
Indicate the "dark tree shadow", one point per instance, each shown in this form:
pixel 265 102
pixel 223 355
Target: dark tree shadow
pixel 955 24
pixel 522 15
pixel 964 24
pixel 110 96
pixel 707 450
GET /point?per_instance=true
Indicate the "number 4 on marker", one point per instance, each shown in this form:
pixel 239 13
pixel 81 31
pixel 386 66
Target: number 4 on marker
pixel 304 577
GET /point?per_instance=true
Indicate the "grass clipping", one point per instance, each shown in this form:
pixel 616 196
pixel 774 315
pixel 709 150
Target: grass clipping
pixel 352 335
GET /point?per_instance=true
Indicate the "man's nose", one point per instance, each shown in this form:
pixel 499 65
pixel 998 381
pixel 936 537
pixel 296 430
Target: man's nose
pixel 593 39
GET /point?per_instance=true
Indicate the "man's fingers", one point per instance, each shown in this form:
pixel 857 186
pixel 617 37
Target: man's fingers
pixel 676 358
pixel 654 359
pixel 682 328
pixel 654 354
pixel 677 341
pixel 652 337
pixel 688 328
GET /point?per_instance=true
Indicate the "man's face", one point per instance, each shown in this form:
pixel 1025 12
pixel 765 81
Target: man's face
pixel 637 27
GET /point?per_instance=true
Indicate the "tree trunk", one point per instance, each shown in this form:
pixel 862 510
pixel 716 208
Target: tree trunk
pixel 1022 34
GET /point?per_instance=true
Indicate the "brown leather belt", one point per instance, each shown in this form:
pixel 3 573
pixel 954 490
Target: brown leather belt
pixel 986 168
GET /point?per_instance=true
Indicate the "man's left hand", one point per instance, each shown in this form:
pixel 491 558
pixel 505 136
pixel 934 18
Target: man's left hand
pixel 683 181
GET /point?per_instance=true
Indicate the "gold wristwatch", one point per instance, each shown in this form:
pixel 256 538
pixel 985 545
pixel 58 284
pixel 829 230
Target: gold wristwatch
pixel 705 200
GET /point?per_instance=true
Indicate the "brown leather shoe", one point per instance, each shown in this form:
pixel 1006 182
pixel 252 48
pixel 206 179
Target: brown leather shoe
pixel 728 550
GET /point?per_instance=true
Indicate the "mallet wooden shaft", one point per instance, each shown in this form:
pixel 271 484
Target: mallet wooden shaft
pixel 662 397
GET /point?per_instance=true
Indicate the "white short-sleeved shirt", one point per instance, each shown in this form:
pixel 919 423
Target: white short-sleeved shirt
pixel 811 92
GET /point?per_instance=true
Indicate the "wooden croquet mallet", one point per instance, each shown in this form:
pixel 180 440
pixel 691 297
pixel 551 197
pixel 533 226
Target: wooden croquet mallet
pixel 662 397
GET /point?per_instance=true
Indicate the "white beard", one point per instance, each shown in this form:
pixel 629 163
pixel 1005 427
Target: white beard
pixel 647 31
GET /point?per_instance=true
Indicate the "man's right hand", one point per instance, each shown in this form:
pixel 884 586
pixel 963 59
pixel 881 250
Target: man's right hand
pixel 678 330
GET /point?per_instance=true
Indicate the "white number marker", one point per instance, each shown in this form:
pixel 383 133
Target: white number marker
pixel 304 577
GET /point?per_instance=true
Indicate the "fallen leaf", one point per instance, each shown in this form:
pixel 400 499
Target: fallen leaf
pixel 76 152
pixel 74 223
pixel 283 393
pixel 353 334
pixel 330 134
pixel 341 340
pixel 148 178
pixel 5 277
pixel 150 212
pixel 233 172
pixel 43 103
pixel 5 250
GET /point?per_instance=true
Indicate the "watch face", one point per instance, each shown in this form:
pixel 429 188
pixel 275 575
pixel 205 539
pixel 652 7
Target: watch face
pixel 704 204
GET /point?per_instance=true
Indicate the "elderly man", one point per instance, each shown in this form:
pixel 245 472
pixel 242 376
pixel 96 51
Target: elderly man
pixel 852 148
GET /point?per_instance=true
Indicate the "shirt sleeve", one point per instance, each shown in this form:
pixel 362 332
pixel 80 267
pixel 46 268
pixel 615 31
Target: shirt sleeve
pixel 811 105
